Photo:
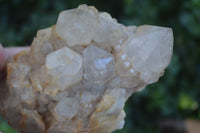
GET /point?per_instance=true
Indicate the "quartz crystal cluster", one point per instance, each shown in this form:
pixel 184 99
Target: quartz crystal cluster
pixel 79 73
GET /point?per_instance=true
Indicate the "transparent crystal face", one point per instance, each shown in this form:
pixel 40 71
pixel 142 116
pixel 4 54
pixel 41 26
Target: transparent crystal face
pixel 99 65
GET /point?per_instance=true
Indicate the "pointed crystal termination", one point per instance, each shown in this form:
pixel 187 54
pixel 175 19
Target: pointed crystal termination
pixel 80 72
pixel 77 26
pixel 148 52
pixel 65 67
pixel 66 109
pixel 99 65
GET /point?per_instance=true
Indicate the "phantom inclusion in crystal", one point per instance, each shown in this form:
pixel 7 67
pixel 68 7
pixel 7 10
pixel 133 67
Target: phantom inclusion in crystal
pixel 79 73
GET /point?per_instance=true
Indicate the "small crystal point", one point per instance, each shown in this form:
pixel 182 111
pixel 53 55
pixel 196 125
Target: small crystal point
pixel 66 109
pixel 65 66
pixel 99 65
pixel 77 26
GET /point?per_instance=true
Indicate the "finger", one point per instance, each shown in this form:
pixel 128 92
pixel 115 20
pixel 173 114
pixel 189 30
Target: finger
pixel 2 61
pixel 14 50
pixel 2 57
pixel 6 53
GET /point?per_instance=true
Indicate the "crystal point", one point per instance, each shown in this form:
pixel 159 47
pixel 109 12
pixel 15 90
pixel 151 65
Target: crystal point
pixel 80 22
pixel 65 66
pixel 99 65
pixel 149 51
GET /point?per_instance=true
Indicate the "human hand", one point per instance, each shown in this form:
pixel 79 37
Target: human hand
pixel 5 54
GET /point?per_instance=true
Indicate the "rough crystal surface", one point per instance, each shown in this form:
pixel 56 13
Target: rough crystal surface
pixel 80 72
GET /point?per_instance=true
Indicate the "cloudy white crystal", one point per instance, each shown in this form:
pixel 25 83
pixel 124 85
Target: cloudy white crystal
pixel 65 66
pixel 149 51
pixel 66 109
pixel 111 31
pixel 77 26
pixel 99 65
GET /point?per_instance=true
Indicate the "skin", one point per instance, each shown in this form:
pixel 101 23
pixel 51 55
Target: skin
pixel 5 54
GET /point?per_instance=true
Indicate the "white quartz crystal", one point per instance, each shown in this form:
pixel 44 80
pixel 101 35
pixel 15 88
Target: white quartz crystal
pixel 99 65
pixel 65 66
pixel 80 72
pixel 66 109
pixel 77 26
pixel 148 52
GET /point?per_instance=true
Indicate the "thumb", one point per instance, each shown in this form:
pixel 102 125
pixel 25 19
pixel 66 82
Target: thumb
pixel 6 53
pixel 3 57
pixel 2 61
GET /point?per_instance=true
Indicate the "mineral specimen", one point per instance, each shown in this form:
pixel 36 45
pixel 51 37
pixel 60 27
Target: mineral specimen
pixel 80 72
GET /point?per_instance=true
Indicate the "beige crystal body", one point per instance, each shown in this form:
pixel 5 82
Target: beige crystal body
pixel 80 72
